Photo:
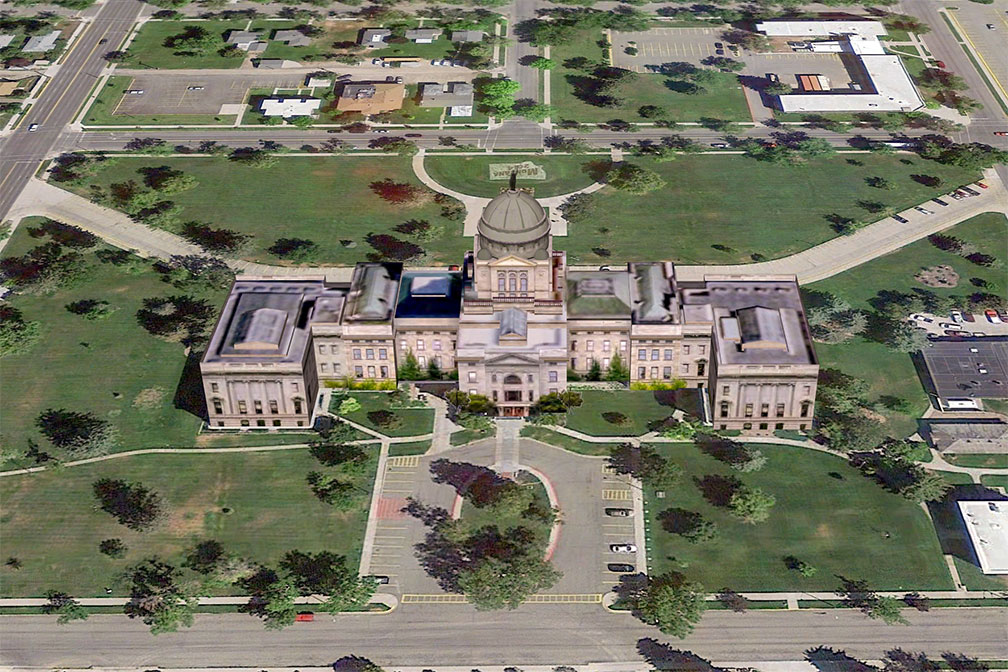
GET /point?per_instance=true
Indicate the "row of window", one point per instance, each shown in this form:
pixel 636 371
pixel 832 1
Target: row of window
pixel 260 423
pixel 765 410
pixel 806 390
pixel 514 379
pixel 369 353
pixel 421 345
pixel 606 345
pixel 513 282
pixel 382 371
pixel 766 425
pixel 215 388
pixel 257 406
pixel 666 371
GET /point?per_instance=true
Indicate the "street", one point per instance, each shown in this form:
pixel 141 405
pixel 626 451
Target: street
pixel 460 635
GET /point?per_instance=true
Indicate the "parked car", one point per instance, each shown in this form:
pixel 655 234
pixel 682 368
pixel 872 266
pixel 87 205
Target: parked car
pixel 1001 133
pixel 971 192
pixel 33 128
pixel 622 548
pixel 940 202
pixel 376 61
pixel 917 317
pixel 992 316
pixel 772 76
pixel 901 220
pixel 950 325
pixel 381 130
pixel 719 52
pixel 103 40
pixel 620 568
pixel 306 617
pixel 413 135
pixel 924 210
pixel 718 45
pixel 135 92
pixel 719 145
pixel 990 26
pixel 618 513
pixel 956 316
pixel 981 185
pixel 194 88
pixel 940 64
pixel 380 579
pixel 953 332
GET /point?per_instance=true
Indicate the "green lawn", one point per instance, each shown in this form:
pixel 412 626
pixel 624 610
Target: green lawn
pixel 995 480
pixel 323 199
pixel 476 518
pixel 547 435
pixel 412 421
pixel 103 111
pixel 332 32
pixel 826 514
pixel 148 50
pixel 69 367
pixel 412 113
pixel 639 407
pixel 723 99
pixel 980 460
pixel 51 524
pixel 409 448
pixel 747 206
pixel 471 174
pixel 889 373
pixel 974 579
pixel 438 49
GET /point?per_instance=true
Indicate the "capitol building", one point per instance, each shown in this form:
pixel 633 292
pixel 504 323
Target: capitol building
pixel 513 320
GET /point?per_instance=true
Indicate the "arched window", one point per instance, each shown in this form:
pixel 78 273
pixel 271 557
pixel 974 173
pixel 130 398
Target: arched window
pixel 512 283
pixel 512 379
pixel 500 281
pixel 524 282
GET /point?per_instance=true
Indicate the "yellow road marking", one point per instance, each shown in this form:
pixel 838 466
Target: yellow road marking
pixel 78 73
pixel 983 62
pixel 545 598
pixel 618 495
pixel 404 461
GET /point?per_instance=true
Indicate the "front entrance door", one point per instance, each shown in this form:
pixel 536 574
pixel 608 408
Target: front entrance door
pixel 513 411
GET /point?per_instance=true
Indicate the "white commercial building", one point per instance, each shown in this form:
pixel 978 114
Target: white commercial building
pixel 987 525
pixel 880 82
pixel 290 107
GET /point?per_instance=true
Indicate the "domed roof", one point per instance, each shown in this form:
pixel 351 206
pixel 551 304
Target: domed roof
pixel 513 217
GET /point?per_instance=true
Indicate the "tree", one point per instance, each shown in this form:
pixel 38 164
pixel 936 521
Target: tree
pixel 833 320
pixel 400 193
pixel 44 269
pixel 578 208
pixel 253 156
pixel 294 249
pixel 778 88
pixel 617 370
pixel 495 583
pixel 17 336
pixel 196 272
pixel 132 504
pixel 645 463
pixel 747 40
pixel 83 434
pixel 926 486
pixel 176 318
pixel 205 557
pixel 812 147
pixel 634 179
pixel 724 63
pixel 193 40
pixel 157 598
pixel 541 63
pixel 275 605
pixel 594 371
pixel 496 96
pixel 348 406
pixel 340 494
pixel 888 610
pixel 652 112
pixel 114 548
pixel 752 505
pixel 879 183
pixel 67 608
pixel 328 574
pixel 410 369
pixel 535 111
pixel 91 309
pixel 906 337
pixel 672 604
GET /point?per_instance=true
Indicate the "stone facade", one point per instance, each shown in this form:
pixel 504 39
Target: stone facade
pixel 513 321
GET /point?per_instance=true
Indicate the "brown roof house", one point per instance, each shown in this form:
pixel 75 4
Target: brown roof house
pixel 371 97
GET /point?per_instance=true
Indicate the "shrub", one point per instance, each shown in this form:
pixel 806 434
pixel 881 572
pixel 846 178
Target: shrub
pixel 615 418
pixel 384 419
pixel 389 247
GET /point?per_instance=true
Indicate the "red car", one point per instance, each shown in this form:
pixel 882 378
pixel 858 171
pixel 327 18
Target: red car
pixel 992 316
pixel 940 64
pixel 981 185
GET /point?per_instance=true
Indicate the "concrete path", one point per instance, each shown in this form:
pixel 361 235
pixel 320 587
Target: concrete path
pixel 875 240
pixel 377 598
pixel 443 427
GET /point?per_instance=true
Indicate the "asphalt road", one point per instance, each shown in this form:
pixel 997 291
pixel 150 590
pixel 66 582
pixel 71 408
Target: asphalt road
pixel 459 635
pixel 22 151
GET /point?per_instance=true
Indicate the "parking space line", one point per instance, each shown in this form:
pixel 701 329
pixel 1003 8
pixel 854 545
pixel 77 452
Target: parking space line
pixel 616 494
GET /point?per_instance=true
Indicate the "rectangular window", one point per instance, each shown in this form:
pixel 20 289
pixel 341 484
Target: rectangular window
pixel 218 408
pixel 805 409
pixel 382 353
pixel 495 395
pixel 419 344
pixel 276 423
pixel 422 360
pixel 323 367
pixel 746 425
pixel 685 349
pixel 274 407
pixel 724 409
pixel 356 353
pixel 437 343
pixel 605 362
pixel 369 353
pixel 764 410
pixel 702 349
pixel 748 410
pixel 573 362
pixel 654 371
pixel 472 376
pixel 780 411
pixel 590 346
pixel 641 372
pixel 371 371
pixel 606 346
pixel 220 423
pixel 779 425
pixel 725 390
pixel 701 366
pixel 623 345
pixel 359 371
pixel 403 346
pixel 294 386
pixel 214 387
pixel 642 354
pixel 242 407
pixel 654 354
pixel 244 423
pixel 807 389
pixel 511 395
pixel 684 368
pixel 762 425
pixel 668 355
pixel 531 395
pixel 297 406
pixel 574 345
pixel 260 423
pixel 384 371
pixel 530 378
pixel 553 377
pixel 667 372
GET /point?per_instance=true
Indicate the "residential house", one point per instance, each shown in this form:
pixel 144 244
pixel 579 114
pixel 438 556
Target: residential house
pixel 371 97
pixel 375 37
pixel 423 35
pixel 290 107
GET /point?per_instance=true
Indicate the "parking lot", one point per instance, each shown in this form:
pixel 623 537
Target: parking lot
pixel 174 94
pixel 787 66
pixel 989 42
pixel 665 45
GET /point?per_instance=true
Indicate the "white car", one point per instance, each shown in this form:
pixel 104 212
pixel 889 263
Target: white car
pixel 33 128
pixel 956 316
pixel 376 61
pixel 950 325
pixel 622 548
pixel 924 210
pixel 917 317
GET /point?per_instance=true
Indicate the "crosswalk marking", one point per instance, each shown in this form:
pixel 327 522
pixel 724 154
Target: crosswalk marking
pixel 404 461
pixel 617 495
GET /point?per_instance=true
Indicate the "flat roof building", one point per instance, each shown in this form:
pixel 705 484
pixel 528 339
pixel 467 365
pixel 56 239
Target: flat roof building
pixel 374 37
pixel 371 97
pixel 243 39
pixel 986 436
pixel 987 525
pixel 962 371
pixel 467 36
pixel 5 41
pixel 41 43
pixel 290 107
pixel 880 81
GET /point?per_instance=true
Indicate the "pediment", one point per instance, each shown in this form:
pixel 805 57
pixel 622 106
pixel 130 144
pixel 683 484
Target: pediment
pixel 512 260
pixel 510 359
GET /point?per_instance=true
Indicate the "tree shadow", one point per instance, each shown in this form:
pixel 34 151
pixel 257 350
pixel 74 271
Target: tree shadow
pixel 826 659
pixel 718 489
pixel 721 449
pixel 662 656
pixel 679 521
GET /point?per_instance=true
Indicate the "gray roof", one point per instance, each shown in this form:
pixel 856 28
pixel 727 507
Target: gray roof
pixel 5 40
pixel 373 291
pixel 760 327
pixel 358 91
pixel 598 294
pixel 294 38
pixel 423 33
pixel 965 436
pixel 446 95
pixel 467 36
pixel 41 43
pixel 968 368
pixel 513 222
pixel 652 294
pixel 236 36
pixel 369 33
pixel 514 323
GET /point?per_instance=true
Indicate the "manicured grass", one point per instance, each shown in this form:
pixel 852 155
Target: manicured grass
pixel 471 174
pixel 409 448
pixel 890 373
pixel 751 207
pixel 826 514
pixel 995 480
pixel 323 199
pixel 111 367
pixel 955 477
pixel 639 407
pixel 440 48
pixel 974 579
pixel 996 405
pixel 413 421
pixel 464 436
pixel 332 32
pixel 148 48
pixel 570 443
pixel 476 518
pixel 103 111
pixel 51 524
pixel 723 99
pixel 412 113
pixel 981 460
